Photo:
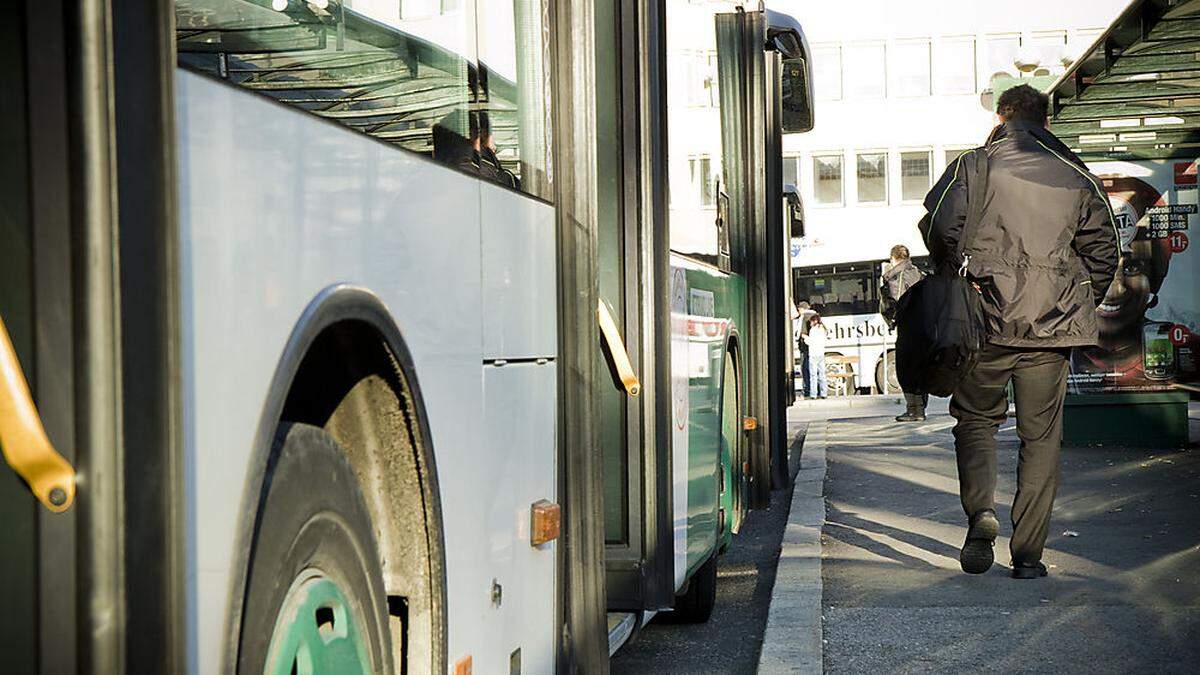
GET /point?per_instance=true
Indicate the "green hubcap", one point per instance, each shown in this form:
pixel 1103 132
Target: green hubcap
pixel 316 632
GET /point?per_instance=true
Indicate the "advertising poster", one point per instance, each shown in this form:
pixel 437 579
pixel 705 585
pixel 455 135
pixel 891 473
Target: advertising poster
pixel 1150 317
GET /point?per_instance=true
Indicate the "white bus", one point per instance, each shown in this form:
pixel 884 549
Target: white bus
pixel 317 298
pixel 861 345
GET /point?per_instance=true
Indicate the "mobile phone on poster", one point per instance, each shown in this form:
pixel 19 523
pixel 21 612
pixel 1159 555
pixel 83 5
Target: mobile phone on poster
pixel 1158 353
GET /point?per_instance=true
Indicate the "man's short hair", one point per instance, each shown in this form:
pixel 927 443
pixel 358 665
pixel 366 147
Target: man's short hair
pixel 803 304
pixel 1023 103
pixel 899 252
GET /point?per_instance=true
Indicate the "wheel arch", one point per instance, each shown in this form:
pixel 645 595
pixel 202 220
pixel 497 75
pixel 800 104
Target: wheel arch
pixel 347 321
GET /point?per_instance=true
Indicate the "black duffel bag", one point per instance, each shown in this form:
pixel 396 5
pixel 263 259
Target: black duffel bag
pixel 940 324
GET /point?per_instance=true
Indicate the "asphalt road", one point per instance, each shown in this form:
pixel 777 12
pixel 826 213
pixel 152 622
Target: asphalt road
pixel 1123 593
pixel 731 640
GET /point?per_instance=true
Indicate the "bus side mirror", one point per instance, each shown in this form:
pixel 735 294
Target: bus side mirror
pixel 795 211
pixel 796 96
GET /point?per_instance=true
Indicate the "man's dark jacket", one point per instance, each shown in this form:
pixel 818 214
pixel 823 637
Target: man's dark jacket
pixel 1045 249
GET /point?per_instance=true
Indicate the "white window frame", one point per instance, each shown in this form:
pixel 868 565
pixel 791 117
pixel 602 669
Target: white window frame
pixel 841 70
pixel 887 179
pixel 846 94
pixel 939 64
pixel 893 51
pixel 982 56
pixel 900 173
pixel 812 167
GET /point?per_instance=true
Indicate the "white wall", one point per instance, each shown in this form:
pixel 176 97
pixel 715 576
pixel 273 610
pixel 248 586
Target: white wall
pixel 852 232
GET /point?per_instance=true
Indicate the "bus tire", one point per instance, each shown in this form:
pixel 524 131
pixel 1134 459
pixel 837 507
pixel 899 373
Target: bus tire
pixel 893 384
pixel 314 588
pixel 695 605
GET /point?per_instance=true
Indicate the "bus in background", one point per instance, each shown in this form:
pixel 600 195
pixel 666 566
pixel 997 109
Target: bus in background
pixel 321 299
pixel 860 353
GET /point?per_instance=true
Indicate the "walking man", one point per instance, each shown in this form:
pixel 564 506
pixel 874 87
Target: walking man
pixel 898 278
pixel 1042 255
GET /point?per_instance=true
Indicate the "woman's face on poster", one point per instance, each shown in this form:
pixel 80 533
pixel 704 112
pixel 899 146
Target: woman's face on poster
pixel 1124 306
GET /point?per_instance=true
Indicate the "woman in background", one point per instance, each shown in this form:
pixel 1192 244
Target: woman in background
pixel 816 338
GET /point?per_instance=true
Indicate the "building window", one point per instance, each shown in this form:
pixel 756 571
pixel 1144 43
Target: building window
pixel 866 71
pixel 955 66
pixel 704 181
pixel 827 179
pixel 791 171
pixel 1000 54
pixel 910 68
pixel 915 174
pixel 827 72
pixel 417 9
pixel 1050 50
pixel 702 79
pixel 953 154
pixel 872 178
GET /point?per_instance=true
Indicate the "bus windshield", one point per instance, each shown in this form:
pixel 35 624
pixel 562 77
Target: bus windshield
pixel 839 290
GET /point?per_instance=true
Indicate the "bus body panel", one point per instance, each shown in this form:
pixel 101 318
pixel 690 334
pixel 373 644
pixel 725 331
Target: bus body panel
pixel 715 306
pixel 519 285
pixel 304 205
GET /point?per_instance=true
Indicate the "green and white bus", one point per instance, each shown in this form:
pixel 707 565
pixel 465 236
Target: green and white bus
pixel 357 336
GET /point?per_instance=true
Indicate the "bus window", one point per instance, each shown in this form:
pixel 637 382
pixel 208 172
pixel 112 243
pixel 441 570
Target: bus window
pixel 401 80
pixel 515 143
pixel 838 293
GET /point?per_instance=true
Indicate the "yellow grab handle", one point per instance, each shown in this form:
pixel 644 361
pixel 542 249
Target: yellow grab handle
pixel 616 349
pixel 23 439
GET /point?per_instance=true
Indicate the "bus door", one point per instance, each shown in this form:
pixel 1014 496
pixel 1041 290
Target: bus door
pixel 764 93
pixel 633 425
pixel 88 494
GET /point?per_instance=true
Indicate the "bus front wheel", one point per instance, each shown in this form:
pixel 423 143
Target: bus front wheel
pixel 893 383
pixel 315 598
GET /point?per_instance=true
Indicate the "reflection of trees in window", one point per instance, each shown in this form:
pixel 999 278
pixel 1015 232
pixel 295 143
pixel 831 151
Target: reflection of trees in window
pixel 914 175
pixel 369 74
pixel 872 177
pixel 827 179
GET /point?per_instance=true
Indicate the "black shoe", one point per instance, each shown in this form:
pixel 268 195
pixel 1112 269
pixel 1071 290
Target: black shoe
pixel 911 416
pixel 1034 570
pixel 976 556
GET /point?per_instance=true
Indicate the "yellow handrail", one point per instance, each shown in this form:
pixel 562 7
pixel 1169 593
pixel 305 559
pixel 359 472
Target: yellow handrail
pixel 23 439
pixel 616 349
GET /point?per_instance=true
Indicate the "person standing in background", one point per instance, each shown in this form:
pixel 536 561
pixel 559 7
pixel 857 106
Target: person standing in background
pixel 800 329
pixel 900 276
pixel 815 337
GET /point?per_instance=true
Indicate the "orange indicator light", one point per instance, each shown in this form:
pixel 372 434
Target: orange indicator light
pixel 545 521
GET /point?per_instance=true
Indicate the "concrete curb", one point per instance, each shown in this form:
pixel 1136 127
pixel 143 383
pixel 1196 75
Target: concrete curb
pixel 792 641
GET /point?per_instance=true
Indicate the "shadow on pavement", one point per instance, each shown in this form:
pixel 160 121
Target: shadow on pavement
pixel 1124 550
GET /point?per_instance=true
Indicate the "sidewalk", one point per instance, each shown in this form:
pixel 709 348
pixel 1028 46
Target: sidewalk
pixel 886 593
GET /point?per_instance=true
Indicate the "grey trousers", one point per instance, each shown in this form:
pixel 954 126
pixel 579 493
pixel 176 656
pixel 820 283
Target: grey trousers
pixel 980 405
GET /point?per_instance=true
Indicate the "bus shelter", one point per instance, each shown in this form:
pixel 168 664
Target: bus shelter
pixel 1130 108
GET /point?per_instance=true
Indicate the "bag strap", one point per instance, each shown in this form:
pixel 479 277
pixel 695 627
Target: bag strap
pixel 976 193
